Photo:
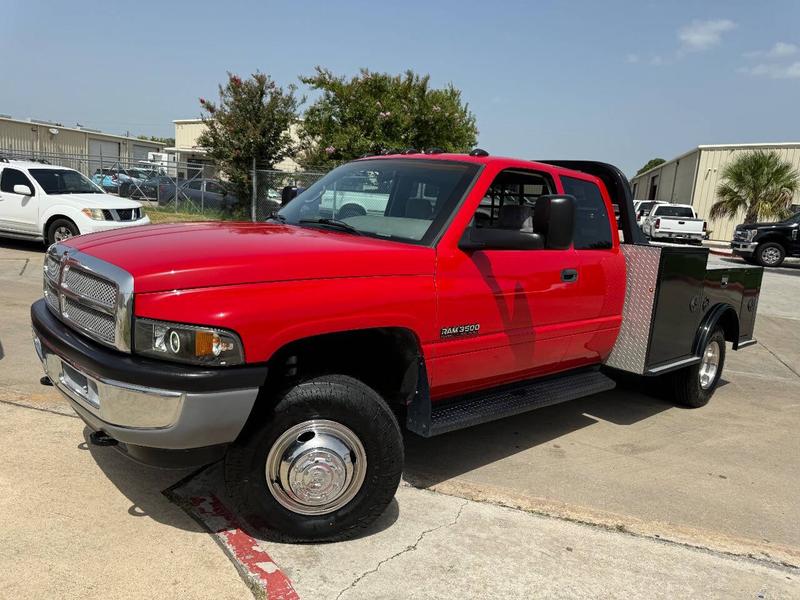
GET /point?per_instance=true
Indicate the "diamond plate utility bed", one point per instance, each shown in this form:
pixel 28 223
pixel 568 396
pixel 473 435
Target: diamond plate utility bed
pixel 469 288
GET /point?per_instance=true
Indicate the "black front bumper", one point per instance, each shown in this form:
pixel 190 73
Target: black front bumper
pixel 106 363
pixel 153 408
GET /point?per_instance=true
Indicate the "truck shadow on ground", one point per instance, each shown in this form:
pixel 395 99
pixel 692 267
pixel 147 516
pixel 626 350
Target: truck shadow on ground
pixel 433 460
pixel 156 493
pixel 172 497
pixel 23 245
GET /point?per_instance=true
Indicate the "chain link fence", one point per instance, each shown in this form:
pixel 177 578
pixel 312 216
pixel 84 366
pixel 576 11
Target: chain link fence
pixel 177 191
pixel 271 189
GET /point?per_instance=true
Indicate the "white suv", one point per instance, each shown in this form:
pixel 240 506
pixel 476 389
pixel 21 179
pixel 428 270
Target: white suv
pixel 45 202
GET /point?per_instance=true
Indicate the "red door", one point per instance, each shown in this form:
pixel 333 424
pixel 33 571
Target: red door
pixel 509 315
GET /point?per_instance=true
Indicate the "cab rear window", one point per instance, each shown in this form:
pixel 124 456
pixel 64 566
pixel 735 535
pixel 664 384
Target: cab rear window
pixel 592 225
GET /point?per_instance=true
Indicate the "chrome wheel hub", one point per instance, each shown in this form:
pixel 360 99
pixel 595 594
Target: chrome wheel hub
pixel 316 467
pixel 771 256
pixel 709 365
pixel 62 233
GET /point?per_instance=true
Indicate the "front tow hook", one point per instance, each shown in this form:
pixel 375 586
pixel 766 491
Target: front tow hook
pixel 101 438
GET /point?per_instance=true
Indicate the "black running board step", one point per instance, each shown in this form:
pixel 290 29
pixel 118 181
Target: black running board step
pixel 508 401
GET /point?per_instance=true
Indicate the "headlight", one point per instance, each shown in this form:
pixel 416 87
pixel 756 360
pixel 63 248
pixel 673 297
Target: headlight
pixel 187 343
pixel 750 234
pixel 94 213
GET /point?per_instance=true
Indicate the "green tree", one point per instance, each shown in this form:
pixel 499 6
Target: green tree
pixel 251 121
pixel 759 184
pixel 377 111
pixel 653 162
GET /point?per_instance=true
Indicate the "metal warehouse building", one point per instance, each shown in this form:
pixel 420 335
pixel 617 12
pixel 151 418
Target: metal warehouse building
pixel 693 178
pixel 39 139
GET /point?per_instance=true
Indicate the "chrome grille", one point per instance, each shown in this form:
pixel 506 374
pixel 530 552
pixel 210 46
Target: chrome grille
pixel 98 324
pixel 51 295
pixel 52 268
pixel 89 295
pixel 90 287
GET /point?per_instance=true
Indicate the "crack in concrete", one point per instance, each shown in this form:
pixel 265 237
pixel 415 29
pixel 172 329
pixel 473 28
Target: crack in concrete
pixel 24 266
pixel 405 550
pixel 780 360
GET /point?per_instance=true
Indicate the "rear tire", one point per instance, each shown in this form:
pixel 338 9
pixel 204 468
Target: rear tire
pixel 333 453
pixel 693 386
pixel 60 230
pixel 770 254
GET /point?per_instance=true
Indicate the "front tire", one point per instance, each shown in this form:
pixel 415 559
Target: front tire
pixel 770 254
pixel 324 464
pixel 693 386
pixel 60 230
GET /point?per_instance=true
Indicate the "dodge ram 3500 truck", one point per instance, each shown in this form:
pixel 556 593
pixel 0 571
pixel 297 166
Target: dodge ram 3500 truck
pixel 299 349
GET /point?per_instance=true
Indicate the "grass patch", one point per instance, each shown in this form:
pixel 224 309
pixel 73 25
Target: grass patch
pixel 160 214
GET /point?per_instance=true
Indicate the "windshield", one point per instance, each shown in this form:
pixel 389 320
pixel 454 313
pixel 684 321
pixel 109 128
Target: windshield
pixel 675 211
pixel 646 207
pixel 403 199
pixel 64 181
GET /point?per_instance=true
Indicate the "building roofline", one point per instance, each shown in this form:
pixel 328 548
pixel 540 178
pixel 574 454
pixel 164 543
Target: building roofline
pixel 756 145
pixel 668 162
pixel 719 147
pixel 182 121
pixel 80 130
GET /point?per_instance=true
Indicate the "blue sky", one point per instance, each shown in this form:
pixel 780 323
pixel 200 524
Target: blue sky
pixel 612 80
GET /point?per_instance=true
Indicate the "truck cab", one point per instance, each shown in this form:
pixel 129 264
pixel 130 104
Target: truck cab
pixel 471 288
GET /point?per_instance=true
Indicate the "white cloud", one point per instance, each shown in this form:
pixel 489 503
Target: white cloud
pixel 774 71
pixel 702 35
pixel 779 50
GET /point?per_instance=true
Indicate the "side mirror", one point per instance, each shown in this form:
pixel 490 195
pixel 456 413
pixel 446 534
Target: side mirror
pixel 488 238
pixel 23 189
pixel 554 220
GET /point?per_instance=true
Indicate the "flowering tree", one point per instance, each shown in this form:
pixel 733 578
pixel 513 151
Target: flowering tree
pixel 250 121
pixel 372 112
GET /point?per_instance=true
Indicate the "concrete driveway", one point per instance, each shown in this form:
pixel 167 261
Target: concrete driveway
pixel 619 494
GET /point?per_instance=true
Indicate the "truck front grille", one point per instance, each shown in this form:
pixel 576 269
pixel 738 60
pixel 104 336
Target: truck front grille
pixel 89 295
pixel 97 324
pixel 90 287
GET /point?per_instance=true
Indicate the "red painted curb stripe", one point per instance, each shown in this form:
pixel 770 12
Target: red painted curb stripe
pixel 244 548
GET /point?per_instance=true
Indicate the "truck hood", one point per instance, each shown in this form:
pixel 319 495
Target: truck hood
pixel 766 224
pixel 194 255
pixel 96 200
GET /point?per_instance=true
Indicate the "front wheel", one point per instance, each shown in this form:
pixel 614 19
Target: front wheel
pixel 693 386
pixel 324 464
pixel 770 254
pixel 60 230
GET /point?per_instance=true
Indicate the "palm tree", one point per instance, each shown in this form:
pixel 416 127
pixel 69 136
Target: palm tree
pixel 758 183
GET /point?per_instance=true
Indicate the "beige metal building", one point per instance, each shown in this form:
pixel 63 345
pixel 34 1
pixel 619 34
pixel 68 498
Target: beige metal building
pixel 693 178
pixel 89 147
pixel 187 150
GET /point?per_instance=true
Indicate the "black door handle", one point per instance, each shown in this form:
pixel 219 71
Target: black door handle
pixel 569 275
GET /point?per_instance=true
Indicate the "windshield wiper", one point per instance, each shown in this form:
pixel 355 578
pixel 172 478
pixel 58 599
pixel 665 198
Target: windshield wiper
pixel 341 225
pixel 277 217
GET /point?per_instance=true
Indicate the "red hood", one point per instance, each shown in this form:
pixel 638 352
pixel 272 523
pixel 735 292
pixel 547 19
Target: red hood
pixel 191 255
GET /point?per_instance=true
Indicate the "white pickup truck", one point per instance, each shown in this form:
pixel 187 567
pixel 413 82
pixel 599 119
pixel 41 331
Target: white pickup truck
pixel 674 222
pixel 39 201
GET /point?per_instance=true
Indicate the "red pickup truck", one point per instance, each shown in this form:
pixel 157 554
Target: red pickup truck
pixel 469 288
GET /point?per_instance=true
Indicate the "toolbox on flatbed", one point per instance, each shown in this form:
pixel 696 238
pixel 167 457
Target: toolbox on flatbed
pixel 668 292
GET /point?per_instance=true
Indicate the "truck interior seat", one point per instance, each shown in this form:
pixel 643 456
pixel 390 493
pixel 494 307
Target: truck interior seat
pixel 419 208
